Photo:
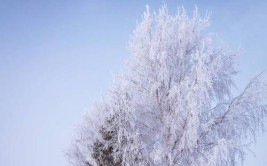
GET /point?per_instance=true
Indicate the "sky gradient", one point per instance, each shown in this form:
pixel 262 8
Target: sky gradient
pixel 58 57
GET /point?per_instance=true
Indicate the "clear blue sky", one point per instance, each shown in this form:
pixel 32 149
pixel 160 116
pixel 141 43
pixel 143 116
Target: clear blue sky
pixel 58 56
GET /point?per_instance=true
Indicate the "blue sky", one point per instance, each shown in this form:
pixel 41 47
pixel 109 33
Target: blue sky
pixel 58 57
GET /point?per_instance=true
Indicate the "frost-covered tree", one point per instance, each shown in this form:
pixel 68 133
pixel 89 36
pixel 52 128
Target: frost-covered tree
pixel 176 102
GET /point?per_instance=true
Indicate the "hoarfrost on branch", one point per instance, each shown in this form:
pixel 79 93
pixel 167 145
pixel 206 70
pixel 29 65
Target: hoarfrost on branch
pixel 174 104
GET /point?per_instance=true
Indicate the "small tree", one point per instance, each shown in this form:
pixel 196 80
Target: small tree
pixel 174 105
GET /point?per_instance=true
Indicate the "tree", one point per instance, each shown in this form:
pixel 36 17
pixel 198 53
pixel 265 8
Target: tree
pixel 175 104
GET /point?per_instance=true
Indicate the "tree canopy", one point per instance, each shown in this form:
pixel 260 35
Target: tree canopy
pixel 175 102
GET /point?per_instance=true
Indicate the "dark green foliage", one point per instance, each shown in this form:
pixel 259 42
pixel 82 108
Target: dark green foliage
pixel 103 155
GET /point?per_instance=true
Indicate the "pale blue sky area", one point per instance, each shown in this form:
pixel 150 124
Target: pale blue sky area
pixel 58 56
